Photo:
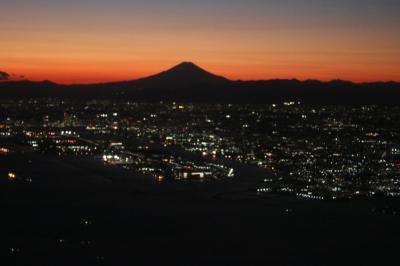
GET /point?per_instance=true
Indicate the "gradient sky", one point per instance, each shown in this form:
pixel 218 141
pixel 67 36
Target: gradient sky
pixel 100 40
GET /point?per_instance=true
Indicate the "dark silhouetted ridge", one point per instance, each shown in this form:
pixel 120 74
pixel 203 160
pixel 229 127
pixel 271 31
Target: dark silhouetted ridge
pixel 186 73
pixel 189 82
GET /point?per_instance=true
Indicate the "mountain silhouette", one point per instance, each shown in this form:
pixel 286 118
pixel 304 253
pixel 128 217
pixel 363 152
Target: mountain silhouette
pixel 186 73
pixel 189 82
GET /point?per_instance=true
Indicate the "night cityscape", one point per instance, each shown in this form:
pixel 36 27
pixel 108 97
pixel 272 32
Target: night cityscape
pixel 288 154
pixel 331 152
pixel 277 143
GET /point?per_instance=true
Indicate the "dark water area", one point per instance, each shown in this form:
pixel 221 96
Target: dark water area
pixel 75 211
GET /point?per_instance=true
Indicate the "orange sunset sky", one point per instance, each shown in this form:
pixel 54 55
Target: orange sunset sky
pixel 96 41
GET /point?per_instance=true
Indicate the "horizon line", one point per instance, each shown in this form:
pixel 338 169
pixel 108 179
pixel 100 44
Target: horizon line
pixel 195 65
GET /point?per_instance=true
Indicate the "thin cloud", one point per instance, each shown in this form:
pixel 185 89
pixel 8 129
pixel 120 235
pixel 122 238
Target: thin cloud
pixel 4 76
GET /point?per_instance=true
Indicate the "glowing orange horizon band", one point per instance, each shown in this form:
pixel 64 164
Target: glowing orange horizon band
pixel 86 74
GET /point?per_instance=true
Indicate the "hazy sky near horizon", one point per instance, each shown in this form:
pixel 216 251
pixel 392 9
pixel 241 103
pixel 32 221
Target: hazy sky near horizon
pixel 98 40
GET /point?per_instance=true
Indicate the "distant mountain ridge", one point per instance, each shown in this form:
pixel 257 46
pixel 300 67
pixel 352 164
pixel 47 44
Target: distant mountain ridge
pixel 188 82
